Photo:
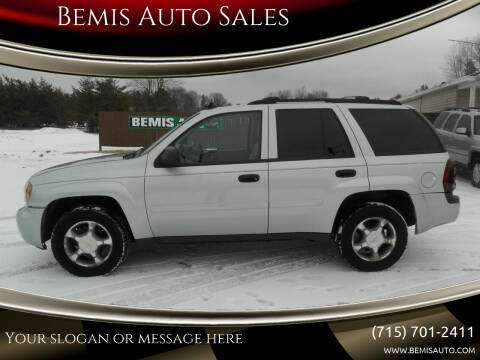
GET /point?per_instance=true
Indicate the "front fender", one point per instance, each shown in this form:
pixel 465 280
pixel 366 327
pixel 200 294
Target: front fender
pixel 128 192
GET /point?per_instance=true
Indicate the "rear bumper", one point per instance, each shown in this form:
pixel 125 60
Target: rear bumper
pixel 434 209
pixel 29 222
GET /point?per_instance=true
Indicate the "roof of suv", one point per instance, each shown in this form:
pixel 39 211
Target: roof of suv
pixel 349 99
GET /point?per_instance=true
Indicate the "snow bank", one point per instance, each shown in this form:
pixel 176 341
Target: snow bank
pixel 24 152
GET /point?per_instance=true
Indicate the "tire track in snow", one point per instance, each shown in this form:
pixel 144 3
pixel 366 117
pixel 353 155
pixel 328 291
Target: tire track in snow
pixel 28 269
pixel 429 284
pixel 173 254
pixel 13 244
pixel 195 264
pixel 7 218
pixel 172 289
pixel 9 233
pixel 207 287
pixel 169 267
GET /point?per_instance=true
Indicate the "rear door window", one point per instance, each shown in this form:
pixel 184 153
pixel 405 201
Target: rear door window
pixel 397 132
pixel 440 120
pixel 310 134
pixel 465 122
pixel 450 124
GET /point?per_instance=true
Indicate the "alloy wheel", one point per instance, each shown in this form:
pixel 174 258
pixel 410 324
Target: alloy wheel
pixel 88 243
pixel 374 239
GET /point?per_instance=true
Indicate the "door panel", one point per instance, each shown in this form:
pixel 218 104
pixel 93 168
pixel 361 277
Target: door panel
pixel 441 134
pixel 207 200
pixel 447 134
pixel 205 194
pixel 306 194
pixel 461 144
pixel 459 148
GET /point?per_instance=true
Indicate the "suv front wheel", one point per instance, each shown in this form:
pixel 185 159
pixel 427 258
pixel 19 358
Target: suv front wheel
pixel 373 237
pixel 88 241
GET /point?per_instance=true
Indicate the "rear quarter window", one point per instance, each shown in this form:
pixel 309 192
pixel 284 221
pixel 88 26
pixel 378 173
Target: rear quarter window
pixel 465 122
pixel 450 124
pixel 397 132
pixel 440 120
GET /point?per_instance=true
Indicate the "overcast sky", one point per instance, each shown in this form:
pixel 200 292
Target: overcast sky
pixel 397 66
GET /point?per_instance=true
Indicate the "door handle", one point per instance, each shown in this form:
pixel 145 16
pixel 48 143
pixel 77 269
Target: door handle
pixel 249 178
pixel 344 173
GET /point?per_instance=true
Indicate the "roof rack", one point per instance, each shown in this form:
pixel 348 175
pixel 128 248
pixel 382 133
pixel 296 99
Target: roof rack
pixel 348 99
pixel 456 109
pixel 468 109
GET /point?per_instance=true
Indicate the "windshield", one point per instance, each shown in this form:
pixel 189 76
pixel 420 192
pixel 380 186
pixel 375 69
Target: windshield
pixel 156 142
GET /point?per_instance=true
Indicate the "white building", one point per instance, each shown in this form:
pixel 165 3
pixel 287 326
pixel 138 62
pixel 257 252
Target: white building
pixel 459 93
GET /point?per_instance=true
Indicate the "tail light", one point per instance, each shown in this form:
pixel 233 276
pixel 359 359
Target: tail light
pixel 449 176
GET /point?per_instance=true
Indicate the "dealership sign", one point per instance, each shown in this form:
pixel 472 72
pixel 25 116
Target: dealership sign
pixel 115 37
pixel 154 122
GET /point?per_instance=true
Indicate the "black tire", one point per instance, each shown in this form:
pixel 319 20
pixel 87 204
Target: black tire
pixel 350 234
pixel 476 183
pixel 117 233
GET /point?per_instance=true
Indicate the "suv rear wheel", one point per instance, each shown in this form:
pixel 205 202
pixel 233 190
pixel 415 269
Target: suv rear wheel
pixel 88 241
pixel 475 174
pixel 373 237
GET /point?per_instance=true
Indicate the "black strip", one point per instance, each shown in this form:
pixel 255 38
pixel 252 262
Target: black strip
pixel 303 28
pixel 243 237
pixel 307 341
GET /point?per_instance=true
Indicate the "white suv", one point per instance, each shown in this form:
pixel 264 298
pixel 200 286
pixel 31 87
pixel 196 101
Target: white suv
pixel 459 131
pixel 356 170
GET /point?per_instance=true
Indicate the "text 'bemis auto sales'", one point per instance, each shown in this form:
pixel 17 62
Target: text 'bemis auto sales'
pixel 224 16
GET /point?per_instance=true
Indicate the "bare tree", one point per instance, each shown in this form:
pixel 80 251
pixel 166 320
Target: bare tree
pixel 185 100
pixel 213 100
pixel 218 99
pixel 152 86
pixel 421 88
pixel 463 58
pixel 313 94
pixel 282 94
pixel 300 93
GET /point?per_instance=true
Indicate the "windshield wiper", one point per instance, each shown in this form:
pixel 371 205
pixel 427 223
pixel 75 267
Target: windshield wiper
pixel 134 154
pixel 139 152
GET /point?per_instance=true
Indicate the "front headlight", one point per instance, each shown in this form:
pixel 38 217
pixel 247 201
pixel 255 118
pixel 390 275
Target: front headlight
pixel 28 192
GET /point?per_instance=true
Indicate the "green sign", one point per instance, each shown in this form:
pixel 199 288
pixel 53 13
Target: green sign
pixel 169 122
pixel 154 122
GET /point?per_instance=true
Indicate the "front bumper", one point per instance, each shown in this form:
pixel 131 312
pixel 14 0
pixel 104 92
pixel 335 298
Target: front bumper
pixel 434 209
pixel 29 222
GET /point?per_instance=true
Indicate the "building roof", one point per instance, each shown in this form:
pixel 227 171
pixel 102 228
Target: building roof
pixel 456 82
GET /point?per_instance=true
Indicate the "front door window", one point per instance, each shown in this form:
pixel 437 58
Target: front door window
pixel 222 139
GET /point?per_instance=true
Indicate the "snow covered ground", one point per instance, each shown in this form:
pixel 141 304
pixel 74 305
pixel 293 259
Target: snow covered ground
pixel 227 276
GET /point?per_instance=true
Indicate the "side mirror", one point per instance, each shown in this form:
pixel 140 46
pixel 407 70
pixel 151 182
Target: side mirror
pixel 169 157
pixel 461 131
